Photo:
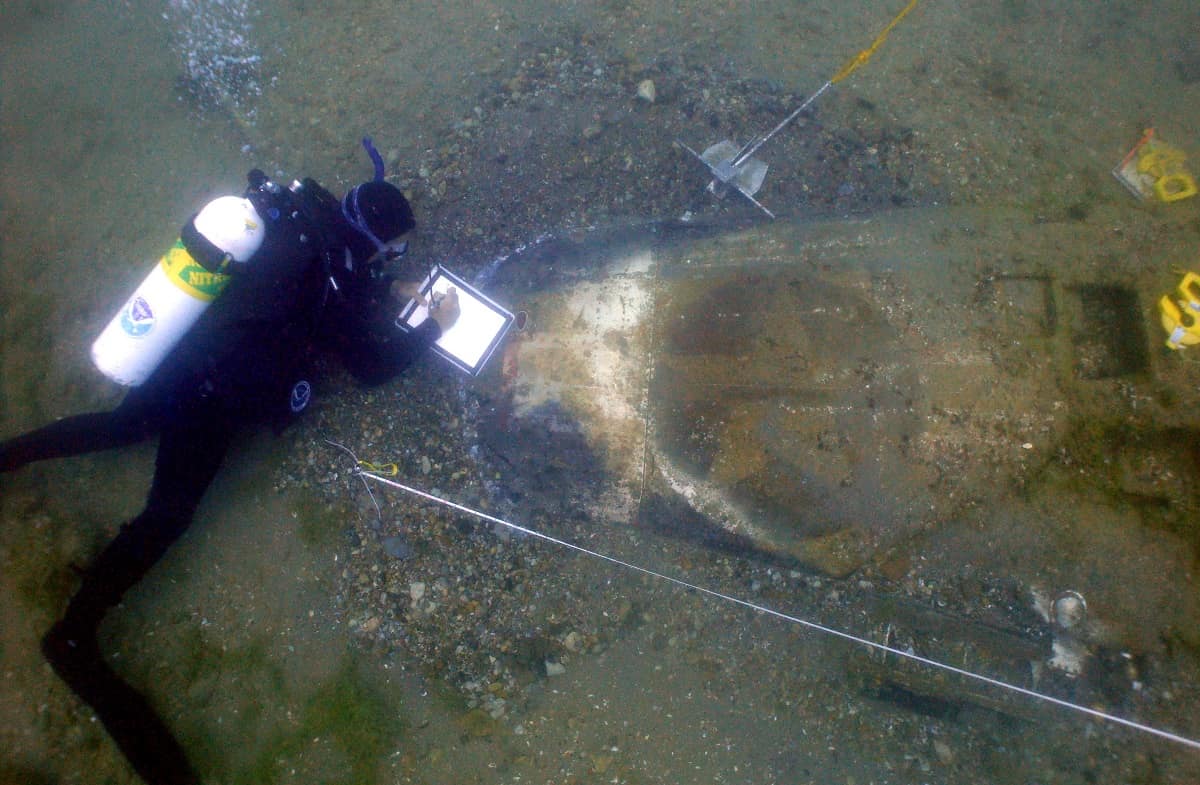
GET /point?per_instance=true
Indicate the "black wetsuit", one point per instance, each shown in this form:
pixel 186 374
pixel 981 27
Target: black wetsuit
pixel 236 366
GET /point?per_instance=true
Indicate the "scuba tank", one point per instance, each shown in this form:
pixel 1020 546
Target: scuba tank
pixel 287 224
pixel 189 276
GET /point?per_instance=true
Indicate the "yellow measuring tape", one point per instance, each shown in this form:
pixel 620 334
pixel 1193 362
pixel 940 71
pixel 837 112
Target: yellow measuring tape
pixel 862 57
pixel 385 469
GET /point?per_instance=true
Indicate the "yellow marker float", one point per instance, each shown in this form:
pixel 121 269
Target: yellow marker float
pixel 1181 313
pixel 1154 169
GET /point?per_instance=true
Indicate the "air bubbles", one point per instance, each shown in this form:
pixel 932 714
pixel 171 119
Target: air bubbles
pixel 221 64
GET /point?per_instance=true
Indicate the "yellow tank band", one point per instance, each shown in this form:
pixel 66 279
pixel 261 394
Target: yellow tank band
pixel 190 276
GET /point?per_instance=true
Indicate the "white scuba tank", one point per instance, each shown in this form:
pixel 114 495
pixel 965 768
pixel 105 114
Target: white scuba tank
pixel 172 297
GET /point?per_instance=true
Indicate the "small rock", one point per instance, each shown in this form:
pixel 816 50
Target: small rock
pixel 1070 609
pixel 646 91
pixel 416 590
pixel 555 668
pixel 943 752
pixel 1069 656
pixel 201 690
pixel 397 547
pixel 371 625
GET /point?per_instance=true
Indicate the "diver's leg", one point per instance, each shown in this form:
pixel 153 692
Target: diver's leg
pixel 188 459
pixel 135 419
pixel 131 721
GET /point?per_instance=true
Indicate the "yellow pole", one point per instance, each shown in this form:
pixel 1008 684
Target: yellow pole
pixel 744 154
pixel 862 57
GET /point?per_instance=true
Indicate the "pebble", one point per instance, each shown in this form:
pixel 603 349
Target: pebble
pixel 1069 609
pixel 397 547
pixel 555 668
pixel 943 752
pixel 416 590
pixel 646 91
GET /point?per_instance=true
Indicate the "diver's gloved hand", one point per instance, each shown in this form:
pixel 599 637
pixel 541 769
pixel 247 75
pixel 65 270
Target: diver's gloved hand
pixel 445 310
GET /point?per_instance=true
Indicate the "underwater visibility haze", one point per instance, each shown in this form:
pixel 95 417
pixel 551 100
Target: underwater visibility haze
pixel 929 405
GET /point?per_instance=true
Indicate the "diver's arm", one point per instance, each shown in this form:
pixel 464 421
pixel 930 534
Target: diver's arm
pixel 377 359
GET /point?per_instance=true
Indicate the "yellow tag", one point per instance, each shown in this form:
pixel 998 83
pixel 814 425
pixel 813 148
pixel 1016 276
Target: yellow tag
pixel 386 469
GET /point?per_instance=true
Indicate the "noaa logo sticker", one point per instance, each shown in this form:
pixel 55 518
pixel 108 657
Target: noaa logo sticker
pixel 137 318
pixel 301 396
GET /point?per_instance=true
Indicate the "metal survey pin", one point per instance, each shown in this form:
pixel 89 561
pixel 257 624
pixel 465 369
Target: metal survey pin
pixel 736 167
pixel 731 169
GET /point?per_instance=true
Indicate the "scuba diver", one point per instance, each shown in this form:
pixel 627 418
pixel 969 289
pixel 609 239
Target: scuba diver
pixel 287 271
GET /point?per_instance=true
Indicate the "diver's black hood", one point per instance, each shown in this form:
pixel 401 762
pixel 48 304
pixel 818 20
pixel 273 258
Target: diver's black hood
pixel 373 214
